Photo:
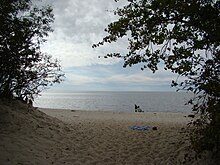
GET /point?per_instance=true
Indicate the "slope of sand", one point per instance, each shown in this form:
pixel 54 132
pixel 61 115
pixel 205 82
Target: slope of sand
pixel 45 136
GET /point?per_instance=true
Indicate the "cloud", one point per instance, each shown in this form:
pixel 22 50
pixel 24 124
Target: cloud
pixel 85 76
pixel 73 55
pixel 138 79
pixel 78 25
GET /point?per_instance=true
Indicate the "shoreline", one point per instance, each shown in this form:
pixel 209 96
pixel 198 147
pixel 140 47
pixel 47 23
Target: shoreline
pixel 68 115
pixel 106 136
pixel 53 136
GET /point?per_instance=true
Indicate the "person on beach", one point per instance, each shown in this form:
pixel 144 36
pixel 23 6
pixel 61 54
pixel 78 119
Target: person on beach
pixel 137 108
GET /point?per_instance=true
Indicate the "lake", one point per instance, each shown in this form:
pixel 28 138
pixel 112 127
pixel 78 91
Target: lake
pixel 116 101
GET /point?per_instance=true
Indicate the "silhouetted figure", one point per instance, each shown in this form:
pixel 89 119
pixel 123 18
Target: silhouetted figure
pixel 137 108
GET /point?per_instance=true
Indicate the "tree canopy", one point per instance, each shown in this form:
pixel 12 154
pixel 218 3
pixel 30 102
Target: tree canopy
pixel 24 69
pixel 184 36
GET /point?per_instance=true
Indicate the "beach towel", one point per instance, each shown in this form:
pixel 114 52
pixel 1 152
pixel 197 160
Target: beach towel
pixel 140 128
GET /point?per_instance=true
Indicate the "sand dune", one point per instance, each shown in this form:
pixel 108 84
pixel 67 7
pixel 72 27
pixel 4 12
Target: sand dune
pixel 45 136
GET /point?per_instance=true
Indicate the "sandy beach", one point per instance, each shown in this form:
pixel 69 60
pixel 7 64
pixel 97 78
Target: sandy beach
pixel 48 136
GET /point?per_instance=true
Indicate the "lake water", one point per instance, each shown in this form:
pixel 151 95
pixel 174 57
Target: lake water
pixel 116 101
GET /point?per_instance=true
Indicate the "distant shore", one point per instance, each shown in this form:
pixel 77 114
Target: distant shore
pixel 51 136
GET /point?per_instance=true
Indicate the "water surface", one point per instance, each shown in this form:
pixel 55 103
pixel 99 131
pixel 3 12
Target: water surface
pixel 116 101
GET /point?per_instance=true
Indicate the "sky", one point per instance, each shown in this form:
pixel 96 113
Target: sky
pixel 78 25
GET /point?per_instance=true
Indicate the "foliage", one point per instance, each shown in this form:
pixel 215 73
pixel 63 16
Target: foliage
pixel 24 70
pixel 184 36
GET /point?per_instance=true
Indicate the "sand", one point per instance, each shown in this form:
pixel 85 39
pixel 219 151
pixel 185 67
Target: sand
pixel 47 136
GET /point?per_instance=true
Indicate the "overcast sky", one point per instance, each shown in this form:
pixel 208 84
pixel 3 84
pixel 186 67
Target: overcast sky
pixel 81 23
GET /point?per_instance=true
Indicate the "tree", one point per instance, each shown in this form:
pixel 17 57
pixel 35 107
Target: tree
pixel 183 35
pixel 24 70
